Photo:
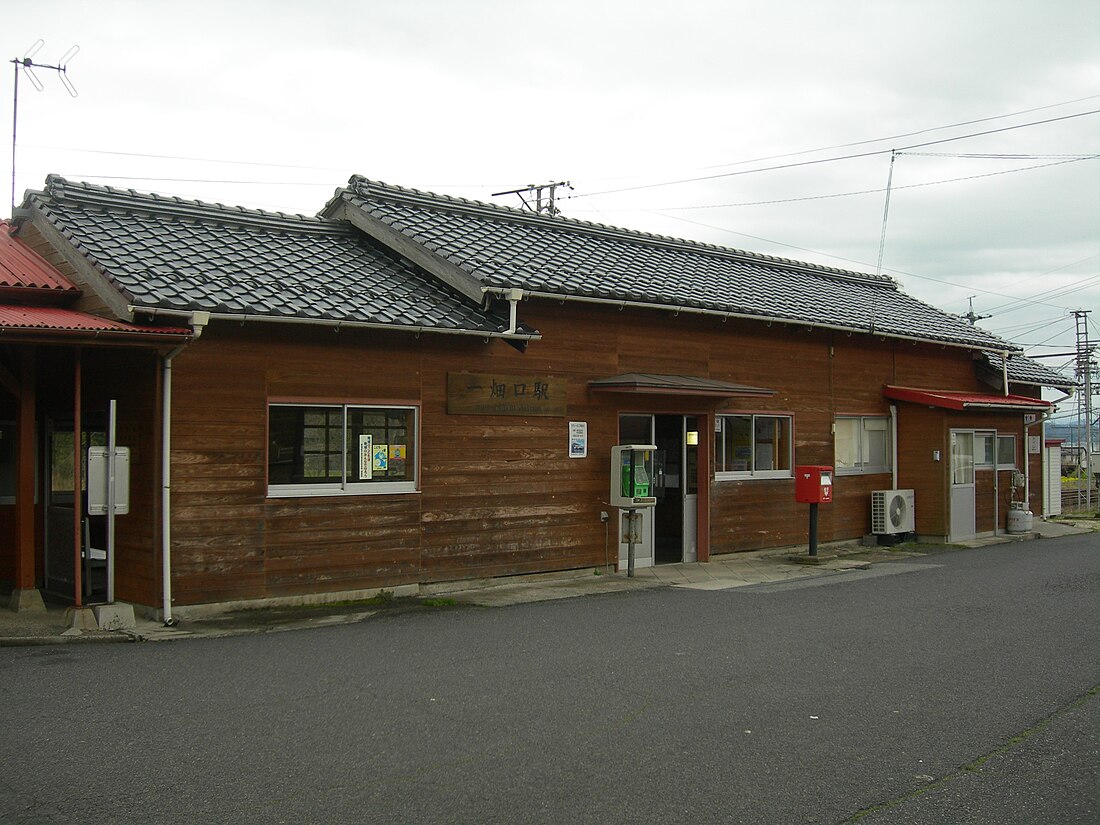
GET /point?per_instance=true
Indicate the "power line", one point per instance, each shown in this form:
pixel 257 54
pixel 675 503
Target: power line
pixel 874 191
pixel 835 157
pixel 905 134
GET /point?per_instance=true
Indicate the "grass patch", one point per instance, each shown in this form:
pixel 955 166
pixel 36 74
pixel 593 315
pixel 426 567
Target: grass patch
pixel 438 602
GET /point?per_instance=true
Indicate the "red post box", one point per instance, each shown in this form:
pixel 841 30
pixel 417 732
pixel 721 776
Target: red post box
pixel 813 484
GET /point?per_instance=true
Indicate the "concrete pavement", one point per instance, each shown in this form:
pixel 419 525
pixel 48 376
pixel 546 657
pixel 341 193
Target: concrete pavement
pixel 55 624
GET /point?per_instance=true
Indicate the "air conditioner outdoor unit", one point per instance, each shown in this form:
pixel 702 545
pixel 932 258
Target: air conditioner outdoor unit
pixel 891 512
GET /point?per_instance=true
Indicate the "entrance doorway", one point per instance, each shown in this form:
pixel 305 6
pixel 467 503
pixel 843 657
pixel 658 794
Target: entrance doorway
pixel 669 532
pixel 963 511
pixel 60 501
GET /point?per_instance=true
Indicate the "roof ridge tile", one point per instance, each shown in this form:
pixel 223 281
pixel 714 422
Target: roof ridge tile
pixel 60 189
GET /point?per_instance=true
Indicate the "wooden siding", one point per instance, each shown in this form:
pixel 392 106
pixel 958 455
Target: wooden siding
pixel 498 495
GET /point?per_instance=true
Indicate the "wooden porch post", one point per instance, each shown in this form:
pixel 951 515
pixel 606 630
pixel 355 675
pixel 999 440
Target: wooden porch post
pixel 25 596
pixel 78 586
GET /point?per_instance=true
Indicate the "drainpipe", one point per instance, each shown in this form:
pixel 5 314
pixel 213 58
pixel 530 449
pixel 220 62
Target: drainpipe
pixel 514 296
pixel 894 446
pixel 199 320
pixel 1004 372
pixel 1040 420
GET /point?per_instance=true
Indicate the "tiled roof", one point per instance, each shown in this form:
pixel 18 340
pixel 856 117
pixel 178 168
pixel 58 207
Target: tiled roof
pixel 22 269
pixel 172 254
pixel 1023 370
pixel 500 248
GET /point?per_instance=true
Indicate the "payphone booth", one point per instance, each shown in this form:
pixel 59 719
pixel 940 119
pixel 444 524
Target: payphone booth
pixel 632 475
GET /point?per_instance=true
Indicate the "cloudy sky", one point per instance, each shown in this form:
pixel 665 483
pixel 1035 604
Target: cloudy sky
pixel 760 126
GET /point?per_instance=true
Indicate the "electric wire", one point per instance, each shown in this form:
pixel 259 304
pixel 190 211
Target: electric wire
pixel 832 159
pixel 904 134
pixel 874 191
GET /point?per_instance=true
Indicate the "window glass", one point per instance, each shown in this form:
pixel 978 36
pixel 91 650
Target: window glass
pixel 1006 452
pixel 847 444
pixel 753 445
pixel 983 449
pixel 962 458
pixel 326 449
pixel 378 445
pixel 862 444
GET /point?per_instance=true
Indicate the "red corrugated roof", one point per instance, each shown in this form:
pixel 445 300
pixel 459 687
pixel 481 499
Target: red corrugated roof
pixel 22 268
pixel 952 400
pixel 69 321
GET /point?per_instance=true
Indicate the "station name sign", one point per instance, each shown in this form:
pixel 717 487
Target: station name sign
pixel 478 393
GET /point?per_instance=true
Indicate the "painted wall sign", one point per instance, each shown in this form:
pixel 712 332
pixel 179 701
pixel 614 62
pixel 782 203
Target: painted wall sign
pixel 470 393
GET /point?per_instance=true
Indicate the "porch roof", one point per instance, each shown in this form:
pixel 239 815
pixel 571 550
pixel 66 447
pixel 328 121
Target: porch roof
pixel 38 321
pixel 951 400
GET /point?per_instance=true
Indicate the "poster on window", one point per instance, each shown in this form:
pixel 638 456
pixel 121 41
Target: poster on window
pixel 365 451
pixel 380 461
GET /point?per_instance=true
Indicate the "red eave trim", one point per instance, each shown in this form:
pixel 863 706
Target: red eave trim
pixel 954 400
pixel 56 321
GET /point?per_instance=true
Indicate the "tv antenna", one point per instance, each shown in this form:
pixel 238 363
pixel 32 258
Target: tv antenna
pixel 543 204
pixel 28 66
pixel 971 316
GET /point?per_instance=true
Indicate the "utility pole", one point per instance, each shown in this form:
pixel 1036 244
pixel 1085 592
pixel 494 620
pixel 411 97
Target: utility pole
pixel 28 66
pixel 1085 366
pixel 544 195
pixel 971 316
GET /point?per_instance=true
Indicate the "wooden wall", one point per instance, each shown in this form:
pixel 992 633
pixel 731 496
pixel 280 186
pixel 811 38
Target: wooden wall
pixel 498 494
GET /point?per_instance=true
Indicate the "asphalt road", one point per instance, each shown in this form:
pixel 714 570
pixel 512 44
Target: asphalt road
pixel 954 688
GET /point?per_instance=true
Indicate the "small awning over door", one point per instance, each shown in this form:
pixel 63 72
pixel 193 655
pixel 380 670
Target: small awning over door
pixel 952 400
pixel 638 382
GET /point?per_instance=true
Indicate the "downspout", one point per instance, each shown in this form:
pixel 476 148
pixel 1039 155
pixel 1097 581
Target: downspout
pixel 1041 420
pixel 894 446
pixel 199 320
pixel 513 296
pixel 1004 372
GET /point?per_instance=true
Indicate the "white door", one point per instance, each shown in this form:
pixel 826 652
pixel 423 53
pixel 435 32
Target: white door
pixel 1052 480
pixel 963 524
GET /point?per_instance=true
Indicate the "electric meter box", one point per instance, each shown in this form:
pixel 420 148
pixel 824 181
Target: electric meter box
pixel 813 484
pixel 632 476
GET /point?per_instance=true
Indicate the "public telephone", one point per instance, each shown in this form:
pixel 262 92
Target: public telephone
pixel 632 476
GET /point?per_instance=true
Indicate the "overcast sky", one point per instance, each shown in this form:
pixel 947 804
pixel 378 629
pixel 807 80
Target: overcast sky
pixel 274 104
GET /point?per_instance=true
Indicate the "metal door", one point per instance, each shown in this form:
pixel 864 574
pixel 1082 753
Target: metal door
pixel 963 525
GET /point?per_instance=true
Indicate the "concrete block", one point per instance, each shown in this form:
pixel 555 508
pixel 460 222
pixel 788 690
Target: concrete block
pixel 115 616
pixel 81 618
pixel 27 600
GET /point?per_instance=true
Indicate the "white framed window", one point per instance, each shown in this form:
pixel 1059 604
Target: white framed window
pixel 340 449
pixel 862 444
pixel 1006 452
pixel 752 446
pixel 984 446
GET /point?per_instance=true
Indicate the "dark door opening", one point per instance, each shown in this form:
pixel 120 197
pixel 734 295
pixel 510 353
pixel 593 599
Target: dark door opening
pixel 675 481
